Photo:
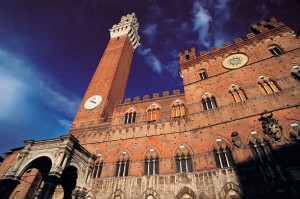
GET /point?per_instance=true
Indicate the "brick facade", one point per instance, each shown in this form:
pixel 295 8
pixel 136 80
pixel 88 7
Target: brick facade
pixel 260 132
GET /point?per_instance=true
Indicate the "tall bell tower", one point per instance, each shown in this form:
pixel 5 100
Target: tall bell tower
pixel 110 78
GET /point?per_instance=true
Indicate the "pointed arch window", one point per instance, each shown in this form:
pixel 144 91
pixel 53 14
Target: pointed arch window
pixel 177 109
pixel 130 116
pixel 261 151
pixel 209 101
pixel 98 168
pixel 236 93
pixel 222 153
pixel 295 71
pixel 151 163
pixel 153 113
pixel 267 85
pixel 183 160
pixel 122 165
pixel 295 132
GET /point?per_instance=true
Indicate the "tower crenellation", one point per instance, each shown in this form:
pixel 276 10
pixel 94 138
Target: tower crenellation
pixel 155 96
pixel 127 26
pixel 260 31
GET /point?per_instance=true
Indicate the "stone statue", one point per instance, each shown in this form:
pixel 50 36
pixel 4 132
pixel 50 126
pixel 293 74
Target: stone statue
pixel 236 140
pixel 271 127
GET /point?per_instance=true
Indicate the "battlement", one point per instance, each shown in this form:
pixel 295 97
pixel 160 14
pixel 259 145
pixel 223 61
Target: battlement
pixel 145 98
pixel 265 25
pixel 260 31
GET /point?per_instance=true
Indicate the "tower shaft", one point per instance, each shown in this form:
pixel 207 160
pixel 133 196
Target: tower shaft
pixel 109 81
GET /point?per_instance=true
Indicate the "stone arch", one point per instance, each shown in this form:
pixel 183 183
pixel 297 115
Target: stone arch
pixel 147 150
pixel 212 142
pixel 153 105
pixel 69 180
pixel 257 136
pixel 228 187
pixel 150 192
pixel 90 195
pixel 125 155
pixel 207 95
pixel 185 145
pixel 186 190
pixel 45 165
pixel 177 100
pixel 79 171
pixel 117 194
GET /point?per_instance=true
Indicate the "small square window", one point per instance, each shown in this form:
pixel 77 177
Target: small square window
pixel 187 58
pixel 203 75
pixel 275 51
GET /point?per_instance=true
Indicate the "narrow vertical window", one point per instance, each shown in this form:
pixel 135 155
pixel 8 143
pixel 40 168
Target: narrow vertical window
pixel 98 167
pixel 267 86
pixel 208 102
pixel 261 152
pixel 202 74
pixel 222 154
pixel 153 113
pixel 151 163
pixel 183 160
pixel 130 116
pixel 295 71
pixel 177 109
pixel 122 165
pixel 236 93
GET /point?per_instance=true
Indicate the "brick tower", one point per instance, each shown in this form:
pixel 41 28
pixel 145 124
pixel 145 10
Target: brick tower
pixel 110 78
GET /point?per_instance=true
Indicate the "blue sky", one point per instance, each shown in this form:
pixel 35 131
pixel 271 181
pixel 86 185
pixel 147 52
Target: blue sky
pixel 50 49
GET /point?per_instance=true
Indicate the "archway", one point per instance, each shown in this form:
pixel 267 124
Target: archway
pixel 32 178
pixel 186 193
pixel 68 181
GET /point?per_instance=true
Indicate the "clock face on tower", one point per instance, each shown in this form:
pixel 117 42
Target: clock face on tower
pixel 235 61
pixel 92 102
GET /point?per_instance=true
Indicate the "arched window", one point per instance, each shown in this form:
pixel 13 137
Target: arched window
pixel 130 116
pixel 151 163
pixel 98 167
pixel 208 101
pixel 222 154
pixel 202 74
pixel 153 113
pixel 183 160
pixel 295 132
pixel 122 165
pixel 295 71
pixel 236 93
pixel 267 85
pixel 177 109
pixel 261 151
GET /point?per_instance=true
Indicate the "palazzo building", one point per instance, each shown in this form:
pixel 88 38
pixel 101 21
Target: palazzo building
pixel 232 133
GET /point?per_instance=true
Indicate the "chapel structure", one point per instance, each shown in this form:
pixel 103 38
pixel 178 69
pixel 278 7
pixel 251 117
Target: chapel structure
pixel 232 133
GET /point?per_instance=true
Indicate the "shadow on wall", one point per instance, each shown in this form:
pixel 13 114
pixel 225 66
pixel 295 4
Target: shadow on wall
pixel 272 173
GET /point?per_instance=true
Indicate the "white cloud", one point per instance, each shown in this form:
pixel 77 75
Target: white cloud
pixel 151 59
pixel 150 31
pixel 202 19
pixel 24 92
pixel 65 123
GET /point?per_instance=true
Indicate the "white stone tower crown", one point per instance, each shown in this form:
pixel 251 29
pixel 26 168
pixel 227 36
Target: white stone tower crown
pixel 127 26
